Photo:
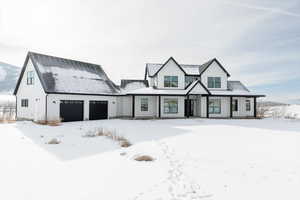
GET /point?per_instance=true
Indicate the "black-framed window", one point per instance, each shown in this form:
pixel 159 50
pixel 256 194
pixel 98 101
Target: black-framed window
pixel 30 77
pixel 24 102
pixel 171 81
pixel 248 105
pixel 170 106
pixel 235 105
pixel 214 82
pixel 214 106
pixel 144 104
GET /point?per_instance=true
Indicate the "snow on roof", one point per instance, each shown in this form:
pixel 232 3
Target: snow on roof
pixel 60 75
pixel 129 85
pixel 189 69
pixel 236 85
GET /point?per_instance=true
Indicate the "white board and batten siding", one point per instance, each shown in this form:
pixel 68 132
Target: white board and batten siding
pixel 171 69
pixel 181 107
pixel 152 107
pixel 242 112
pixel 35 95
pixel 53 104
pixel 214 70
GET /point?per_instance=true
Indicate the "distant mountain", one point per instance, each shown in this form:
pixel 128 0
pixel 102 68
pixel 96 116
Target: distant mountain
pixel 8 77
pixel 294 101
pixel 270 103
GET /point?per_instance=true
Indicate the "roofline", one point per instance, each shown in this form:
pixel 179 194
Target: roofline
pixel 237 95
pixel 218 64
pixel 171 58
pixel 89 94
pixel 198 81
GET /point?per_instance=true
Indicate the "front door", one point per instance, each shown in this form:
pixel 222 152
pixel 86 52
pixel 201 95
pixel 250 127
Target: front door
pixel 189 107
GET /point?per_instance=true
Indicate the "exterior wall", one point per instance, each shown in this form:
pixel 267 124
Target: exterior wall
pixel 171 69
pixel 124 106
pixel 203 106
pixel 53 102
pixel 152 107
pixel 242 107
pixel 214 70
pixel 180 107
pixel 35 95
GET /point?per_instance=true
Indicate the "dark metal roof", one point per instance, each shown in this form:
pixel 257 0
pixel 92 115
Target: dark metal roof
pixel 125 82
pixel 60 75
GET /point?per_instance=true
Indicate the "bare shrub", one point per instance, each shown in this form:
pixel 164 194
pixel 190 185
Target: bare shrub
pixel 123 142
pixel 144 158
pixel 261 112
pixel 54 122
pixel 41 122
pixel 54 141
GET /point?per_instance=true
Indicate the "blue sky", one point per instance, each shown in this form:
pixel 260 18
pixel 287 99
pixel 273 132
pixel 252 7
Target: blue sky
pixel 257 41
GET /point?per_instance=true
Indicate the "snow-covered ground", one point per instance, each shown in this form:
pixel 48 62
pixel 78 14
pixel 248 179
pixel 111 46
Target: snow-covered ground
pixel 284 111
pixel 194 159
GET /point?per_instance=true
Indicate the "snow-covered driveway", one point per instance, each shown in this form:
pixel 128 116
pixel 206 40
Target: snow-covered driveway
pixel 195 159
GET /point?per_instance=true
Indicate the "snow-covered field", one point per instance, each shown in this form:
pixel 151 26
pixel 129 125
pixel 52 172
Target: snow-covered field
pixel 194 159
pixel 285 111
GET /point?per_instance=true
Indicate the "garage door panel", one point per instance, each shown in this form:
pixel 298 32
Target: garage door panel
pixel 98 110
pixel 71 110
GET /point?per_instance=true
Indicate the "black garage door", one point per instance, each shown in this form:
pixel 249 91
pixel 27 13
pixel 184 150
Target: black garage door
pixel 98 110
pixel 71 110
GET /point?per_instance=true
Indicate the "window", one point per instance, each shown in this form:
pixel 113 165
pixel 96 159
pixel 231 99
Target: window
pixel 234 105
pixel 171 81
pixel 190 79
pixel 214 82
pixel 30 78
pixel 144 104
pixel 248 105
pixel 215 106
pixel 24 102
pixel 170 106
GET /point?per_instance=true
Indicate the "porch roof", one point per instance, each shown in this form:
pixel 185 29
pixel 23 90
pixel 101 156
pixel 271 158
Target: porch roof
pixel 242 93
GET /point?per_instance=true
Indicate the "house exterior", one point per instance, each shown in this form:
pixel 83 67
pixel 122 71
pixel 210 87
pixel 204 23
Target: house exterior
pixel 51 88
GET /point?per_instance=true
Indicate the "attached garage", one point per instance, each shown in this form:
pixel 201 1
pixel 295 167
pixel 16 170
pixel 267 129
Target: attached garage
pixel 71 110
pixel 98 110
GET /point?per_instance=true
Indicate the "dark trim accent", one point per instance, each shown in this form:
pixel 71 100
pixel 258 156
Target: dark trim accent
pixel 46 108
pixel 218 64
pixel 230 107
pixel 159 106
pixel 171 58
pixel 188 107
pixel 146 72
pixel 193 75
pixel 16 107
pixel 188 85
pixel 198 81
pixel 133 106
pixel 21 74
pixel 207 106
pixel 255 112
pixel 157 94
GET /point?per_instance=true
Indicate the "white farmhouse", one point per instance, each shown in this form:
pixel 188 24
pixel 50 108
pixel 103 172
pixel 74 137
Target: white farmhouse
pixel 52 88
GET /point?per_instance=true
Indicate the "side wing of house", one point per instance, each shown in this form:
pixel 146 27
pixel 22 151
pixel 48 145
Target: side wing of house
pixel 30 95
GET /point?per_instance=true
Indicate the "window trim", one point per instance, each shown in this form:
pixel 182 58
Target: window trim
pixel 248 103
pixel 214 82
pixel 30 78
pixel 169 106
pixel 24 103
pixel 169 83
pixel 146 104
pixel 213 110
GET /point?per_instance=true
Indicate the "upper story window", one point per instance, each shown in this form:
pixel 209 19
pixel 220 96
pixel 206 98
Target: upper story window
pixel 214 82
pixel 144 104
pixel 30 78
pixel 190 79
pixel 171 81
pixel 248 105
pixel 24 102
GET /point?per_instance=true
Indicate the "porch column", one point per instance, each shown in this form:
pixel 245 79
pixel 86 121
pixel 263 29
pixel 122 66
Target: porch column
pixel 133 106
pixel 159 106
pixel 230 106
pixel 188 106
pixel 255 112
pixel 207 106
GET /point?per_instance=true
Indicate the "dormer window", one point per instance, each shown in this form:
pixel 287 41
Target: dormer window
pixel 171 81
pixel 30 78
pixel 214 82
